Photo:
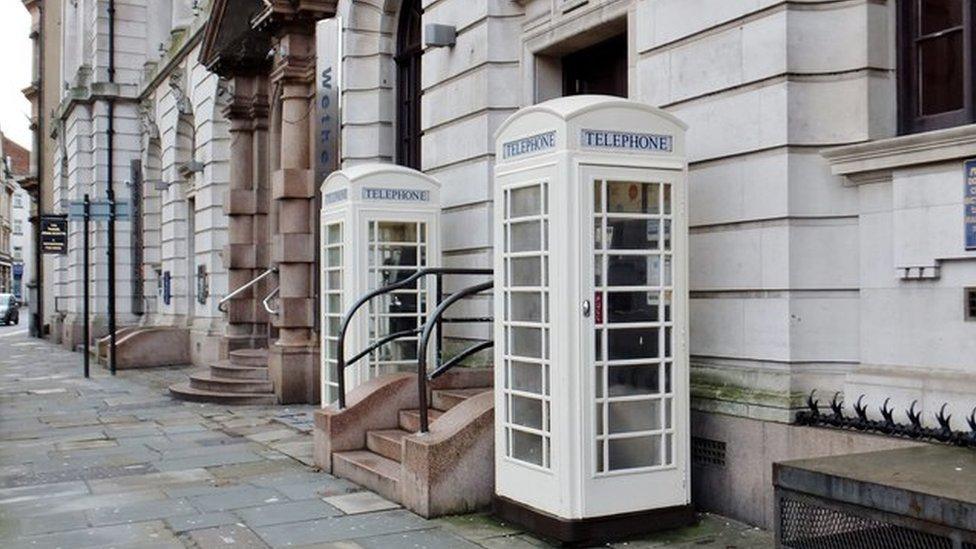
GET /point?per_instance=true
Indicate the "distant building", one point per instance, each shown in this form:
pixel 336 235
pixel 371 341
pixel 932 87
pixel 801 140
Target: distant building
pixel 14 161
pixel 21 243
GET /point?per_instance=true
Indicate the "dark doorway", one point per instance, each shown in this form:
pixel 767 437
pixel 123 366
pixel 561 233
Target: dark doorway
pixel 408 54
pixel 597 69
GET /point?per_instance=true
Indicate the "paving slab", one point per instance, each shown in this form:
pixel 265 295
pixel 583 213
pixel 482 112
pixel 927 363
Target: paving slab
pixel 232 535
pixel 237 497
pixel 286 512
pixel 139 511
pixel 198 521
pixel 341 528
pixel 360 502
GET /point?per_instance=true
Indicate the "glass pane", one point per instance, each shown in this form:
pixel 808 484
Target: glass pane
pixel 598 345
pixel 634 380
pixel 667 342
pixel 598 234
pixel 636 415
pixel 397 231
pixel 334 303
pixel 668 449
pixel 334 279
pixel 394 256
pixel 526 201
pixel 634 234
pixel 599 455
pixel 332 326
pixel 632 343
pixel 667 234
pixel 526 376
pixel 598 270
pixel 634 270
pixel 600 428
pixel 632 306
pixel 333 257
pixel 940 69
pixel 667 377
pixel 527 447
pixel 526 271
pixel 526 307
pixel 334 233
pixel 527 236
pixel 936 15
pixel 667 270
pixel 667 305
pixel 526 412
pixel 627 453
pixel 667 413
pixel 667 198
pixel 526 342
pixel 598 381
pixel 631 197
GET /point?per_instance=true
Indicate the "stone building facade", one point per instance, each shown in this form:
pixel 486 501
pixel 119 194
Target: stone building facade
pixel 826 240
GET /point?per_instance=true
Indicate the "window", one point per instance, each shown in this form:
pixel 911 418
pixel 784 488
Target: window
pixel 597 69
pixel 936 64
pixel 970 304
pixel 18 201
pixel 18 253
pixel 408 90
pixel 18 227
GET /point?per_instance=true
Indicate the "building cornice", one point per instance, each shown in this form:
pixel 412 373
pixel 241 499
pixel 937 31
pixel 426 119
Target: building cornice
pixel 874 160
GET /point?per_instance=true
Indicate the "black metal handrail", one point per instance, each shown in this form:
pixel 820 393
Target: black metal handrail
pixel 341 362
pixel 429 326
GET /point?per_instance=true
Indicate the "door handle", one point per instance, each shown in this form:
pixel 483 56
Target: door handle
pixel 586 307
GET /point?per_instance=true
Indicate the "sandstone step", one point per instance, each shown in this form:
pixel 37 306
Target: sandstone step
pixel 227 370
pixel 368 469
pixel 386 443
pixel 205 381
pixel 183 391
pixel 249 357
pixel 445 399
pixel 410 419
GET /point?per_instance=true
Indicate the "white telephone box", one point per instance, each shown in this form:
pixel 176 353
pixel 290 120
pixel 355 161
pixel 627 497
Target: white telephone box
pixel 591 309
pixel 380 223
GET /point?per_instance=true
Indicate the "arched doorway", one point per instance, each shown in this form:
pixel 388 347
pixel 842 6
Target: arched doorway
pixel 408 87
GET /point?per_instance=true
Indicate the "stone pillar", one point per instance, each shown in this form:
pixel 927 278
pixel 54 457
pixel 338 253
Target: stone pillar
pixel 247 114
pixel 293 358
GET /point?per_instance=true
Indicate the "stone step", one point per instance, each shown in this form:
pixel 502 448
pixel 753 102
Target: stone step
pixel 227 370
pixel 249 357
pixel 370 470
pixel 445 399
pixel 410 419
pixel 183 391
pixel 205 381
pixel 387 443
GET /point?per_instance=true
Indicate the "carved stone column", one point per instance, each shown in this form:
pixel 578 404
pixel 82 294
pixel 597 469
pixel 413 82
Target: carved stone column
pixel 247 112
pixel 293 358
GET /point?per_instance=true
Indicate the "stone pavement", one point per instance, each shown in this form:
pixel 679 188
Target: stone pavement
pixel 115 462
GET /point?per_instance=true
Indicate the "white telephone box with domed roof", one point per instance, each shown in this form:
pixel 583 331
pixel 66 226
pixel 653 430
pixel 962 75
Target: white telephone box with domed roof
pixel 380 223
pixel 591 319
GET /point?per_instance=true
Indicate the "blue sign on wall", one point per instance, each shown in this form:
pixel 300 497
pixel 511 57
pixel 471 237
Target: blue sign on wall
pixel 969 204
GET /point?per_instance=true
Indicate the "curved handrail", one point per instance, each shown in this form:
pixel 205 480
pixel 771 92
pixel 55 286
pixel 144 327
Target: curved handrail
pixel 255 280
pixel 477 347
pixel 383 341
pixel 425 338
pixel 268 298
pixel 351 312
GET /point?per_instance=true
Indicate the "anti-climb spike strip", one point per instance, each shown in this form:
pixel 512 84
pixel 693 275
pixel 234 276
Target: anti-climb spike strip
pixel 887 425
pixel 861 410
pixel 813 404
pixel 888 413
pixel 837 406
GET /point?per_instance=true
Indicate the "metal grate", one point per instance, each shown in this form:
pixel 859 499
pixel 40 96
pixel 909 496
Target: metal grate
pixel 705 451
pixel 804 525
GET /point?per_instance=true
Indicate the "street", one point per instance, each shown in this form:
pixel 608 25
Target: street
pixel 16 329
pixel 115 462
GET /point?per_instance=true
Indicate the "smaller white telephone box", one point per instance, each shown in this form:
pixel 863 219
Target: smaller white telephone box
pixel 591 318
pixel 380 223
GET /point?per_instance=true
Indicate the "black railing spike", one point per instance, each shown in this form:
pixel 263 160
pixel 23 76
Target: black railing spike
pixel 837 406
pixel 888 413
pixel 813 404
pixel 861 409
pixel 944 420
pixel 971 420
pixel 915 417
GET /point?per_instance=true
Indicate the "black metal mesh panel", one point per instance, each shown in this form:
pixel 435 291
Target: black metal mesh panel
pixel 807 526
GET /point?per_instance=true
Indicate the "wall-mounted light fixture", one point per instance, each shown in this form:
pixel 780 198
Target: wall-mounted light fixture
pixel 439 36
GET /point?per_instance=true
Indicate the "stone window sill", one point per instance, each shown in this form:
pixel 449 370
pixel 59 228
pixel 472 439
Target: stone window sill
pixel 874 160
